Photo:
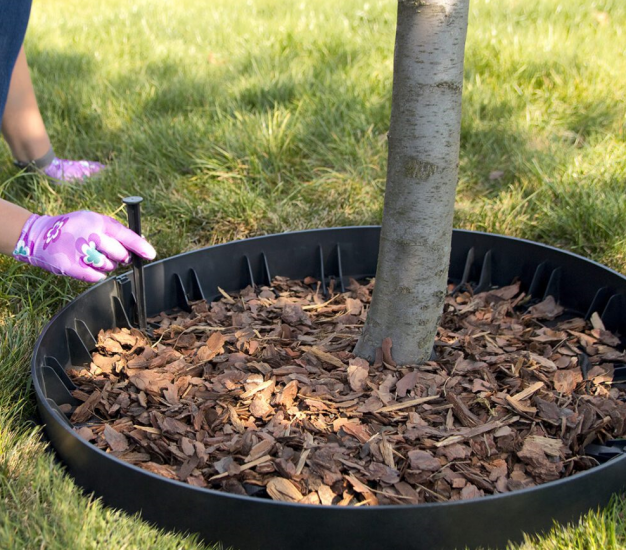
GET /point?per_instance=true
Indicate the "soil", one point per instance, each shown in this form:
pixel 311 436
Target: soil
pixel 259 394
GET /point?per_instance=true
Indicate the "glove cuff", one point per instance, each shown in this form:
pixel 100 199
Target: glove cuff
pixel 37 165
pixel 25 245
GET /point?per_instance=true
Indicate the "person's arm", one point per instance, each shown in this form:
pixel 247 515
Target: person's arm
pixel 22 125
pixel 83 245
pixel 13 219
pixel 25 132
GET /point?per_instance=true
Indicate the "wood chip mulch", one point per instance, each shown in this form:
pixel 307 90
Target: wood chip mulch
pixel 259 394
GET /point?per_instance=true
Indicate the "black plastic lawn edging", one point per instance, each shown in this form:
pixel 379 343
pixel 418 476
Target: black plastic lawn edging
pixel 248 523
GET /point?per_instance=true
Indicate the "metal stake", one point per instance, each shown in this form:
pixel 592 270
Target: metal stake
pixel 133 209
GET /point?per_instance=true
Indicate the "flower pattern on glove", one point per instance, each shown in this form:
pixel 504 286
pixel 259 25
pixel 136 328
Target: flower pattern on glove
pixel 54 232
pixel 23 248
pixel 91 257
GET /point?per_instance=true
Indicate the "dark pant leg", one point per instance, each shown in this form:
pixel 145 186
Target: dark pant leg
pixel 13 22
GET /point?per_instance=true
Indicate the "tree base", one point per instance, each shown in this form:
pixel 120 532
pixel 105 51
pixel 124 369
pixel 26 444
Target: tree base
pixel 580 286
pixel 259 394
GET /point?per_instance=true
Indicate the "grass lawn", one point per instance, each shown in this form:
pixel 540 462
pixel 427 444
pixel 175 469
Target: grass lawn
pixel 236 118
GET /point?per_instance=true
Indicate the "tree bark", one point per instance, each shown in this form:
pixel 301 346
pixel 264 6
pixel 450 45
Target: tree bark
pixel 422 171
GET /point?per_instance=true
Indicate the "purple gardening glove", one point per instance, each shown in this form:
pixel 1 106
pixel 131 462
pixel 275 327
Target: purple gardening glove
pixel 83 245
pixel 61 171
pixel 67 171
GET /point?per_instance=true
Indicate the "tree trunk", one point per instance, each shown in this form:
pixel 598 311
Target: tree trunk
pixel 422 172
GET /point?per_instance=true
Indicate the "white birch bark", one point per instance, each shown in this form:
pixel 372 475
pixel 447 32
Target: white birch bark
pixel 422 173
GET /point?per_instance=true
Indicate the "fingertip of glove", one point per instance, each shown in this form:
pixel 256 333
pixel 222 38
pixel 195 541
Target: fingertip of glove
pixel 149 253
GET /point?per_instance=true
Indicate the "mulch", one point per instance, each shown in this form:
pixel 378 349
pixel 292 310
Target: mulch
pixel 259 394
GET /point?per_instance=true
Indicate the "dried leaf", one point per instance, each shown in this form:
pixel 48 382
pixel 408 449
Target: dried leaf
pixel 213 347
pixel 260 449
pixel 596 322
pixel 260 407
pixel 323 356
pixel 565 381
pixel 423 461
pixel 358 372
pixel 386 346
pixel 116 440
pixel 407 383
pixel 279 488
pixel 547 309
pixel 357 430
pixel 85 411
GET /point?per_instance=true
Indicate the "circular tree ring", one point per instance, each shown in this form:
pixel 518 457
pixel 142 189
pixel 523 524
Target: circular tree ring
pixel 580 285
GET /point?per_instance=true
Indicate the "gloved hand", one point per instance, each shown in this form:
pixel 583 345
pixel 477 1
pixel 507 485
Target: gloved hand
pixel 61 171
pixel 84 245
